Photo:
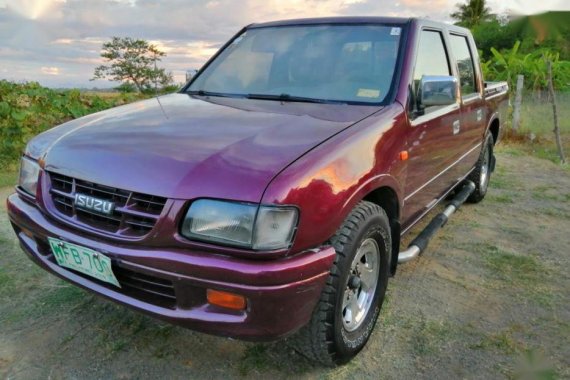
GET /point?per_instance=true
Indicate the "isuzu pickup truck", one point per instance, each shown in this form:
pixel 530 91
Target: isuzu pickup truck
pixel 267 198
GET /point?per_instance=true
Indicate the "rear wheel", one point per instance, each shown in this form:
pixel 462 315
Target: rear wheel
pixel 482 172
pixel 351 300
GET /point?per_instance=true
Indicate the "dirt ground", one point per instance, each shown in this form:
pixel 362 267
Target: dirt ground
pixel 488 299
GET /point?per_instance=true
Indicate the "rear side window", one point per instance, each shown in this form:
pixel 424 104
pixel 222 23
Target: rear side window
pixel 431 59
pixel 460 49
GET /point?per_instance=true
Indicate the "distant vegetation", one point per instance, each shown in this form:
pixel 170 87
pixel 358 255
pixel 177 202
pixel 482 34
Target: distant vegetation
pixel 27 109
pixel 510 46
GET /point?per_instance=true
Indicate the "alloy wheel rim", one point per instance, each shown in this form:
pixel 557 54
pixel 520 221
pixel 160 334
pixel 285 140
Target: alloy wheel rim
pixel 361 285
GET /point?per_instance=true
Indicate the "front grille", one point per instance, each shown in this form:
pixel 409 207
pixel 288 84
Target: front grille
pixel 150 289
pixel 135 214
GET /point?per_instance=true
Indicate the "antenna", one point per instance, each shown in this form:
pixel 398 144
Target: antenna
pixel 156 88
pixel 155 79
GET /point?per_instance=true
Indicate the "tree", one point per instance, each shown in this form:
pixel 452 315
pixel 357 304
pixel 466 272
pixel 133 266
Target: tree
pixel 471 13
pixel 133 62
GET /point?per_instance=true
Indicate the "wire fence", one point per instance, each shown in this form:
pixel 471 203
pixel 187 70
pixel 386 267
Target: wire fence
pixel 537 116
pixel 536 126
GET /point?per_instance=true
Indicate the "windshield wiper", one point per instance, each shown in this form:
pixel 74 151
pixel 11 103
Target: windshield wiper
pixel 290 98
pixel 211 93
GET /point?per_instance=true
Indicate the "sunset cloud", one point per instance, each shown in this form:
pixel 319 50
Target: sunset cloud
pixel 50 70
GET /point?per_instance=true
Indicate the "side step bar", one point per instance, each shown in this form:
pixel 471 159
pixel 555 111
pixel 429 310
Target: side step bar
pixel 419 244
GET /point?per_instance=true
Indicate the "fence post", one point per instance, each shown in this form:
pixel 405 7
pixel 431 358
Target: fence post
pixel 518 101
pixel 555 112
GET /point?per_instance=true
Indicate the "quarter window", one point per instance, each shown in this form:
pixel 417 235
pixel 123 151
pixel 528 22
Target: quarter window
pixel 465 66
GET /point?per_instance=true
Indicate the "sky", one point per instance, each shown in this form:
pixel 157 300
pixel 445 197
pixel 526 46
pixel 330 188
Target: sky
pixel 58 42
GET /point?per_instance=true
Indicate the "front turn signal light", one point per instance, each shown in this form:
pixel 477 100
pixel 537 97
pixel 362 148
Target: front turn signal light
pixel 226 299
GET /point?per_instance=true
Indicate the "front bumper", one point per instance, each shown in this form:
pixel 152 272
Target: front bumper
pixel 171 284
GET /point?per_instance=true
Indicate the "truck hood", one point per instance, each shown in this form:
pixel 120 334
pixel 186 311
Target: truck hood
pixel 184 147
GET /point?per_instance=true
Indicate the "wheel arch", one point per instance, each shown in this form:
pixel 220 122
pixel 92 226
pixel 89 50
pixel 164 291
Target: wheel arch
pixel 387 198
pixel 494 128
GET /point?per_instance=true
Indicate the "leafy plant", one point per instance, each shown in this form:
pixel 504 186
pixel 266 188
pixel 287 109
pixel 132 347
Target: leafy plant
pixel 509 63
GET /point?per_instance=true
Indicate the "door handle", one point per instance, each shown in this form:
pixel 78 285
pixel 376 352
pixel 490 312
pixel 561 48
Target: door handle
pixel 456 127
pixel 479 115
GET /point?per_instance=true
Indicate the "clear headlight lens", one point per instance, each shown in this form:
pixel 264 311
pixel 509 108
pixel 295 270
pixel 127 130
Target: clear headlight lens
pixel 236 224
pixel 274 227
pixel 29 172
pixel 218 221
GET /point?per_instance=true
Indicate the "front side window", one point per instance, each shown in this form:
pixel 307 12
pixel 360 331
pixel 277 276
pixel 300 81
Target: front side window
pixel 465 66
pixel 345 63
pixel 431 59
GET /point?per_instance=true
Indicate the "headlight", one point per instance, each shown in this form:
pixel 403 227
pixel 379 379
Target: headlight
pixel 240 224
pixel 29 172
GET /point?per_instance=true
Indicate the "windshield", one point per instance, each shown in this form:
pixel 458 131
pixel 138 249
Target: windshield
pixel 347 63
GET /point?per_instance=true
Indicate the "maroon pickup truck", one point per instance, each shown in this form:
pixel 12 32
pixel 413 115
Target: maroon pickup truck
pixel 268 197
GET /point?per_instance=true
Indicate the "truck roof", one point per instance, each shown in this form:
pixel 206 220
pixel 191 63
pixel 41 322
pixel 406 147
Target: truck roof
pixel 335 20
pixel 362 20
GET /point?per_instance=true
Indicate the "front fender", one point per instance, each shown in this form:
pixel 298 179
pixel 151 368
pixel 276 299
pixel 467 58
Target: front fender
pixel 330 180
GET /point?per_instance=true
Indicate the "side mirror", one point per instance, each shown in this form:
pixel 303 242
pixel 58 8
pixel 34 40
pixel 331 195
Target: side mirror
pixel 437 91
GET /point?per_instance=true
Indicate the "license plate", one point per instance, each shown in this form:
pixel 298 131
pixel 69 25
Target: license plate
pixel 84 260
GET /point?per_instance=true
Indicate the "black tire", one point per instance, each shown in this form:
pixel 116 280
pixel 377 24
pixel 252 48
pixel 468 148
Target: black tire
pixel 327 338
pixel 481 175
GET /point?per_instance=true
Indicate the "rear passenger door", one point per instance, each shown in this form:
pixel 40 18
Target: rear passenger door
pixel 433 147
pixel 472 126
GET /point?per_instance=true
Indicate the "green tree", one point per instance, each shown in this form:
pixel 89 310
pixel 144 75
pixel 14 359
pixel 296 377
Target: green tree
pixel 132 61
pixel 471 13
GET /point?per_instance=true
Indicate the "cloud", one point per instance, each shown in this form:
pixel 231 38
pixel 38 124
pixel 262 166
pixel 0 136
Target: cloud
pixel 50 70
pixel 63 41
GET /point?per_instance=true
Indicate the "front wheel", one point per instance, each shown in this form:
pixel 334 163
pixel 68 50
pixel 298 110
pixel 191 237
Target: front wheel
pixel 350 303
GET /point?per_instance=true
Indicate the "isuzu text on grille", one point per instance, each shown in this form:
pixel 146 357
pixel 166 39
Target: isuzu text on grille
pixel 90 203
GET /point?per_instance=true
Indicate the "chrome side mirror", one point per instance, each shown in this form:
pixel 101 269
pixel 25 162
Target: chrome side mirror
pixel 437 90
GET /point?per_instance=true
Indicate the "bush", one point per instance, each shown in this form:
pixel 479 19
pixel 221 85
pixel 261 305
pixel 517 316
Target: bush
pixel 27 109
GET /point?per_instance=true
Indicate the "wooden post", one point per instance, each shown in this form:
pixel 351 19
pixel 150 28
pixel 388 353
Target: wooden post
pixel 555 112
pixel 518 101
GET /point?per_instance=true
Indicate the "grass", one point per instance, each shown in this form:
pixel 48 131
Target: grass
pixel 8 179
pixel 543 193
pixel 5 282
pixel 505 198
pixel 525 274
pixel 512 268
pixel 254 358
pixel 429 336
pixel 503 341
pixel 555 212
pixel 502 180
